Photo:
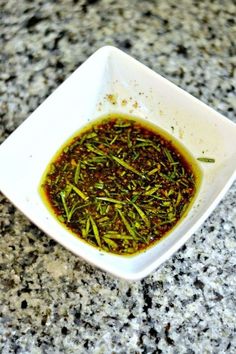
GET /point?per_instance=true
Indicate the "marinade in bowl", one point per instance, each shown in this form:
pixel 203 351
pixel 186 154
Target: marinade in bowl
pixel 120 184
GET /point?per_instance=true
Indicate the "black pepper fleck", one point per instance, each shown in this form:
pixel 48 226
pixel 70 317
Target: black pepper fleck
pixel 64 331
pixel 33 21
pixel 91 2
pixel 126 44
pixel 24 304
pixel 181 50
pixel 147 13
pixel 198 284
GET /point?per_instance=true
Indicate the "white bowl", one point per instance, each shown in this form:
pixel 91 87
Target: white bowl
pixel 82 98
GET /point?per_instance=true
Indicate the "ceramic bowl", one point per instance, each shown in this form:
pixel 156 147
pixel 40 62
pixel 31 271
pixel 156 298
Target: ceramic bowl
pixel 98 87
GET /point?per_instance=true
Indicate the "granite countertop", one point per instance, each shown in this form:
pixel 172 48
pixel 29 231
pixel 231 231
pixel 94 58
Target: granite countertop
pixel 50 300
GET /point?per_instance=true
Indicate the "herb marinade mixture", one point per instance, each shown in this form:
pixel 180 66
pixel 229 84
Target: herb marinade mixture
pixel 119 185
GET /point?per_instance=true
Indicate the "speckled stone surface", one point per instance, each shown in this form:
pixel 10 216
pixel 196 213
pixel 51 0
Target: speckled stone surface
pixel 52 301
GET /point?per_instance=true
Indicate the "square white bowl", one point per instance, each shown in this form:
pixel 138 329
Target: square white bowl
pixel 135 90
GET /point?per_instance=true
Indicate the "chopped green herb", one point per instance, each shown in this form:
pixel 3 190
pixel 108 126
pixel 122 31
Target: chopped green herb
pixel 111 200
pixel 114 139
pixel 152 172
pixel 142 214
pixel 152 190
pixel 110 243
pixel 77 172
pixel 63 199
pixel 79 192
pixel 87 227
pixel 99 185
pixel 126 223
pixel 126 165
pixel 95 150
pixel 95 231
pixel 206 159
pixel 118 236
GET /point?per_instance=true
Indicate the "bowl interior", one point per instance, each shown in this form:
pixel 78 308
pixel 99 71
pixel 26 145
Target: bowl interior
pixel 111 81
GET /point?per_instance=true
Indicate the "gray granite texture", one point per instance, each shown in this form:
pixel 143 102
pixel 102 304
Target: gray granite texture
pixel 52 301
